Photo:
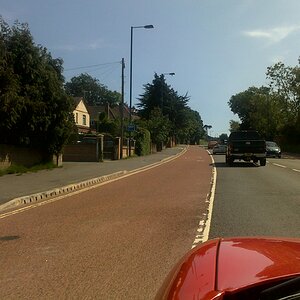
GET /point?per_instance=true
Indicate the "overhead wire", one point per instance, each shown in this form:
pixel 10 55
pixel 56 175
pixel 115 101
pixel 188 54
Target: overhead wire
pixel 92 66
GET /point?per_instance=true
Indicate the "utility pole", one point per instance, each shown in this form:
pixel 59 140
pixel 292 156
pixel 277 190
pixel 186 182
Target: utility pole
pixel 122 109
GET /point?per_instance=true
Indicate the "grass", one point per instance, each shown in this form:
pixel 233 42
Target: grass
pixel 19 169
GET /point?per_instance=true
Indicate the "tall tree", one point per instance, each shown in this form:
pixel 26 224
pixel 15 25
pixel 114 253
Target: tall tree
pixel 34 109
pixel 285 86
pixel 94 92
pixel 159 95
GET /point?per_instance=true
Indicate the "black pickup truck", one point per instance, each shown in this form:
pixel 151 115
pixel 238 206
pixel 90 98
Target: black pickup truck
pixel 246 145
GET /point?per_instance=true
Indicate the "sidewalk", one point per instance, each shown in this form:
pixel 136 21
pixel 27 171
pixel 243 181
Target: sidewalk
pixel 29 187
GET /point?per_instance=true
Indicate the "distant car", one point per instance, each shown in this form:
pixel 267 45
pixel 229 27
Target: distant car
pixel 273 150
pixel 211 144
pixel 219 149
pixel 237 268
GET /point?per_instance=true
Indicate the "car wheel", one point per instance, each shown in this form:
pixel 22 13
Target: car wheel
pixel 263 162
pixel 229 160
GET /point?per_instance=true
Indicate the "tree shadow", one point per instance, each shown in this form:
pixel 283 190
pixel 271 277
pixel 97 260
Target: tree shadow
pixel 9 238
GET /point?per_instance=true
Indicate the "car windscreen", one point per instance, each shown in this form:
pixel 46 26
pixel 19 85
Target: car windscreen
pixel 271 144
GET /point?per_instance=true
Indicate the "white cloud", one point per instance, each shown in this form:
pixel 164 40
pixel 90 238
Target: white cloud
pixel 274 35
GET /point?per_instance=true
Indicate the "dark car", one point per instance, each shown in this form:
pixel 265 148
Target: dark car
pixel 273 150
pixel 246 145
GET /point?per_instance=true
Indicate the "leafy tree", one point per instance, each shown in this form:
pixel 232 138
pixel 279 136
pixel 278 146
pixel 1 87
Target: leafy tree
pixel 275 110
pixel 234 125
pixel 184 123
pixel 257 108
pixel 193 130
pixel 34 109
pixel 285 87
pixel 92 90
pixel 105 125
pixel 158 125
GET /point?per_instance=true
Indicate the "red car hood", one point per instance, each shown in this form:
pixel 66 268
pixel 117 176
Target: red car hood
pixel 230 265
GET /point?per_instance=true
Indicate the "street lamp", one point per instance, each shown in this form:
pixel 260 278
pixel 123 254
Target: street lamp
pixel 172 73
pixel 130 76
pixel 162 98
pixel 161 88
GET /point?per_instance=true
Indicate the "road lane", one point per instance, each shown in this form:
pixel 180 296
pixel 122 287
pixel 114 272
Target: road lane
pixel 253 200
pixel 293 164
pixel 117 241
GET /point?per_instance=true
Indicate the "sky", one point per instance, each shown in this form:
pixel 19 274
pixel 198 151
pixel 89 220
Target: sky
pixel 216 48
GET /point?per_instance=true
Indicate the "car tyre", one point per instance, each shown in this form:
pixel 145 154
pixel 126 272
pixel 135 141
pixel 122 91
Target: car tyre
pixel 229 160
pixel 263 162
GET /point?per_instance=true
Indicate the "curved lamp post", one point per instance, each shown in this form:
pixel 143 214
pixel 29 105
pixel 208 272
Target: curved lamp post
pixel 130 76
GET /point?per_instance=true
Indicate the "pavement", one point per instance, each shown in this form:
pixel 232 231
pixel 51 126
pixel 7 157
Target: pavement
pixel 33 187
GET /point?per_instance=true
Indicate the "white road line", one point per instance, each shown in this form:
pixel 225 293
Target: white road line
pixel 296 170
pixel 278 165
pixel 204 223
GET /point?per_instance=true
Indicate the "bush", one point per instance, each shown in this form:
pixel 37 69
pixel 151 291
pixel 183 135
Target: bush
pixel 143 142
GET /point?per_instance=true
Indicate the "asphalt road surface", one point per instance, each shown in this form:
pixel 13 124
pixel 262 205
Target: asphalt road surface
pixel 257 201
pixel 116 241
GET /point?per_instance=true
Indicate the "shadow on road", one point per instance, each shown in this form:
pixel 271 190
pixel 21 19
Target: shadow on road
pixel 9 238
pixel 235 165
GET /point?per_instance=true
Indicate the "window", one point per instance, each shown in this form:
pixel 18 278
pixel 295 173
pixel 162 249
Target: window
pixel 84 120
pixel 76 118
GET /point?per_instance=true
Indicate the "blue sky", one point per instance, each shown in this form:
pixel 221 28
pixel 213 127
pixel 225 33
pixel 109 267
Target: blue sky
pixel 217 48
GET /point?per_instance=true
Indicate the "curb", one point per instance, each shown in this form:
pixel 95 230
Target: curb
pixel 34 198
pixel 59 191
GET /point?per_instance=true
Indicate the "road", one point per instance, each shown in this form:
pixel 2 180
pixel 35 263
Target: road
pixel 251 200
pixel 116 241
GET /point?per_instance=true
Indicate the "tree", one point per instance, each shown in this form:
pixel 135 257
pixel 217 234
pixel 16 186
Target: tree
pixel 105 125
pixel 158 125
pixel 34 109
pixel 257 109
pixel 91 90
pixel 275 110
pixel 193 130
pixel 173 107
pixel 285 87
pixel 234 125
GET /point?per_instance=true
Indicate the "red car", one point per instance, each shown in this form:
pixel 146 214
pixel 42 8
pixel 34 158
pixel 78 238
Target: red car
pixel 237 268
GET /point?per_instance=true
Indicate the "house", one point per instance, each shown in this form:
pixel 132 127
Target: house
pixel 81 115
pixel 112 113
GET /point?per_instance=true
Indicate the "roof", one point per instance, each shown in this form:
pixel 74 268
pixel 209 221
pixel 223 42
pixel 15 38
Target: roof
pixel 112 112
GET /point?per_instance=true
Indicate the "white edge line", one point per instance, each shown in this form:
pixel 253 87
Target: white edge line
pixel 278 165
pixel 296 170
pixel 211 196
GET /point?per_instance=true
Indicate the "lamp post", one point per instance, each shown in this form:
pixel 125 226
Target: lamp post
pixel 161 89
pixel 130 77
pixel 162 101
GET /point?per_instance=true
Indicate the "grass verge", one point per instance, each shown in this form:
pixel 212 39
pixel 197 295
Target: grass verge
pixel 19 169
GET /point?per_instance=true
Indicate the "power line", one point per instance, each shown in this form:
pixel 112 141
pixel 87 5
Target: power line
pixel 92 66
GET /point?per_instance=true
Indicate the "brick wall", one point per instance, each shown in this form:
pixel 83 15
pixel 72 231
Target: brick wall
pixel 20 156
pixel 81 152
